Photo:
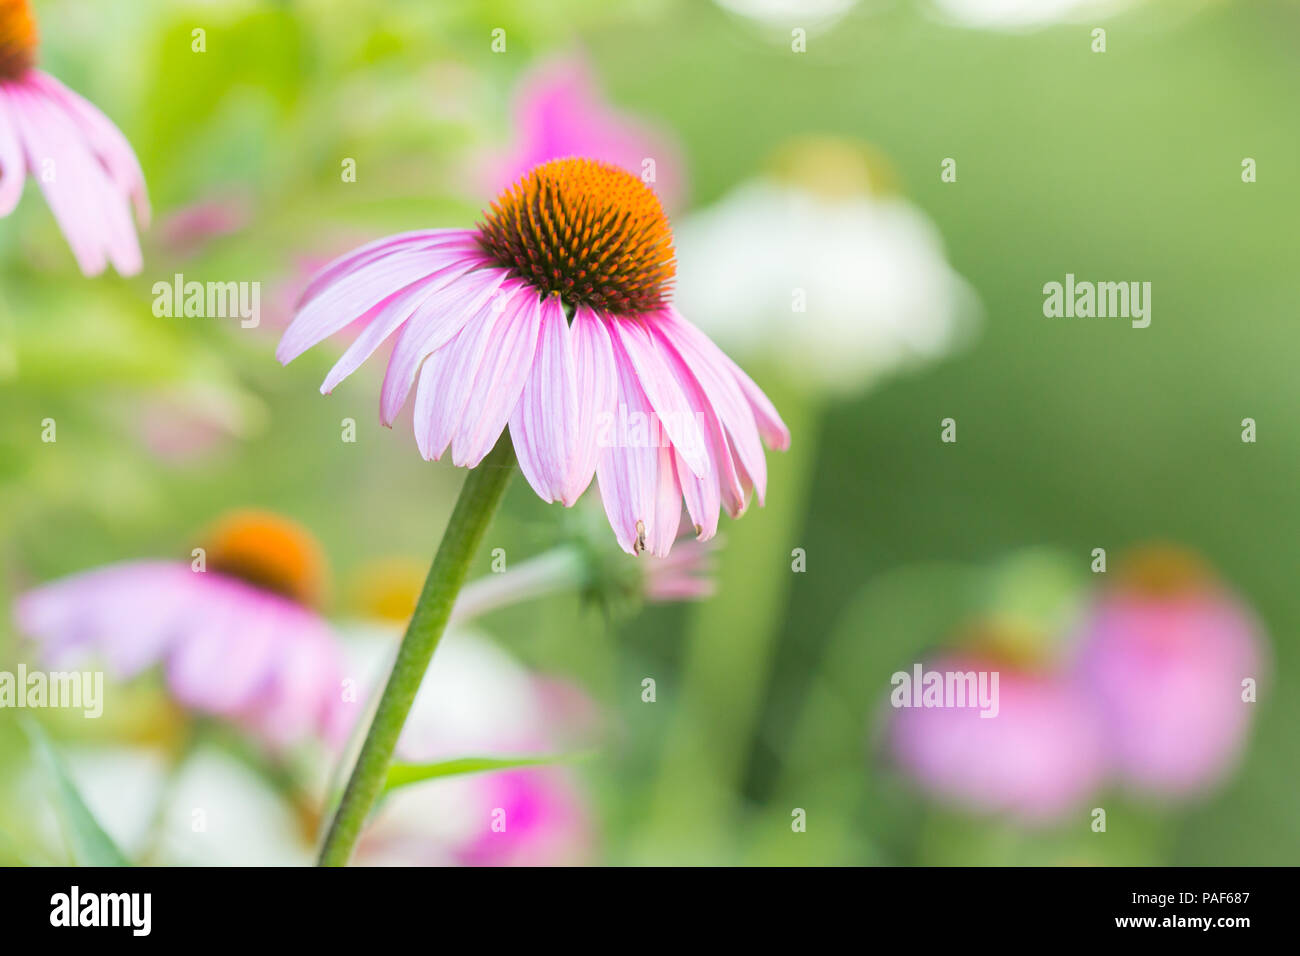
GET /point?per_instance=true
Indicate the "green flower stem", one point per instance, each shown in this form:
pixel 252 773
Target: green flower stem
pixel 479 497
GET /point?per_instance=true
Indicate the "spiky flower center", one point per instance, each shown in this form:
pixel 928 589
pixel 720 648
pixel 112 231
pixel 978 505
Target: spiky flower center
pixel 587 230
pixel 269 552
pixel 17 39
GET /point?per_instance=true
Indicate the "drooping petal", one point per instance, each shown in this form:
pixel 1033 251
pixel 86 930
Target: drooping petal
pixel 434 324
pixel 53 162
pixel 709 366
pixel 448 374
pixel 597 381
pixel 723 485
pixel 770 425
pixel 357 293
pixel 667 518
pixel 104 138
pixel 544 425
pixel 364 255
pixel 675 416
pixel 13 171
pixel 703 498
pixel 390 315
pixel 628 471
pixel 500 379
pixel 99 206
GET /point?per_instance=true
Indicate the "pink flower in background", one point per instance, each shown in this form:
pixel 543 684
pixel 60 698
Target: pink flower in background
pixel 685 575
pixel 187 424
pixel 559 113
pixel 543 822
pixel 1152 695
pixel 82 163
pixel 553 317
pixel 187 230
pixel 1165 656
pixel 239 640
pixel 1041 756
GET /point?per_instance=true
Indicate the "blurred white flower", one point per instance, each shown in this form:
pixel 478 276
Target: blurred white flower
pixel 213 810
pixel 782 13
pixel 822 279
pixel 476 701
pixel 1020 14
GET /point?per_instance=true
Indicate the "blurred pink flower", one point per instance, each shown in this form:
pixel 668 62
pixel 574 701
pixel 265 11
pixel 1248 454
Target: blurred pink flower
pixel 238 640
pixel 540 821
pixel 81 161
pixel 559 112
pixel 1166 668
pixel 185 231
pixel 1038 758
pixel 187 424
pixel 685 575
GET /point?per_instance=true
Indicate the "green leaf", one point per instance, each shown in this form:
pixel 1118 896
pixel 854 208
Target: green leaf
pixel 402 774
pixel 91 846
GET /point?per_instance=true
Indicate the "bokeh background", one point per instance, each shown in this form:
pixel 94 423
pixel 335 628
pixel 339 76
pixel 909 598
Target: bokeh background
pixel 1073 434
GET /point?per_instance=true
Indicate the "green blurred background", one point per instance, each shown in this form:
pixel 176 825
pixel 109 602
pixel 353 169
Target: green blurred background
pixel 1073 434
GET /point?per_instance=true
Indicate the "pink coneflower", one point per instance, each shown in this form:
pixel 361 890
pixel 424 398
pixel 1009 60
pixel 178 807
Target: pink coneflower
pixel 553 316
pixel 1166 654
pixel 239 639
pixel 1040 757
pixel 83 164
pixel 559 112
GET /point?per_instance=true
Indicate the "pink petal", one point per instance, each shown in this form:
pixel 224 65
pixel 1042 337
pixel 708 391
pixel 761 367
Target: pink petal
pixel 447 377
pixel 500 378
pixel 388 317
pixel 703 498
pixel 226 658
pixel 544 425
pixel 357 293
pixel 676 416
pixel 631 486
pixel 435 323
pixel 770 425
pixel 722 485
pixel 100 204
pixel 13 171
pixel 712 370
pixel 305 682
pixel 77 215
pixel 126 613
pixel 597 383
pixel 104 138
pixel 667 518
pixel 350 262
